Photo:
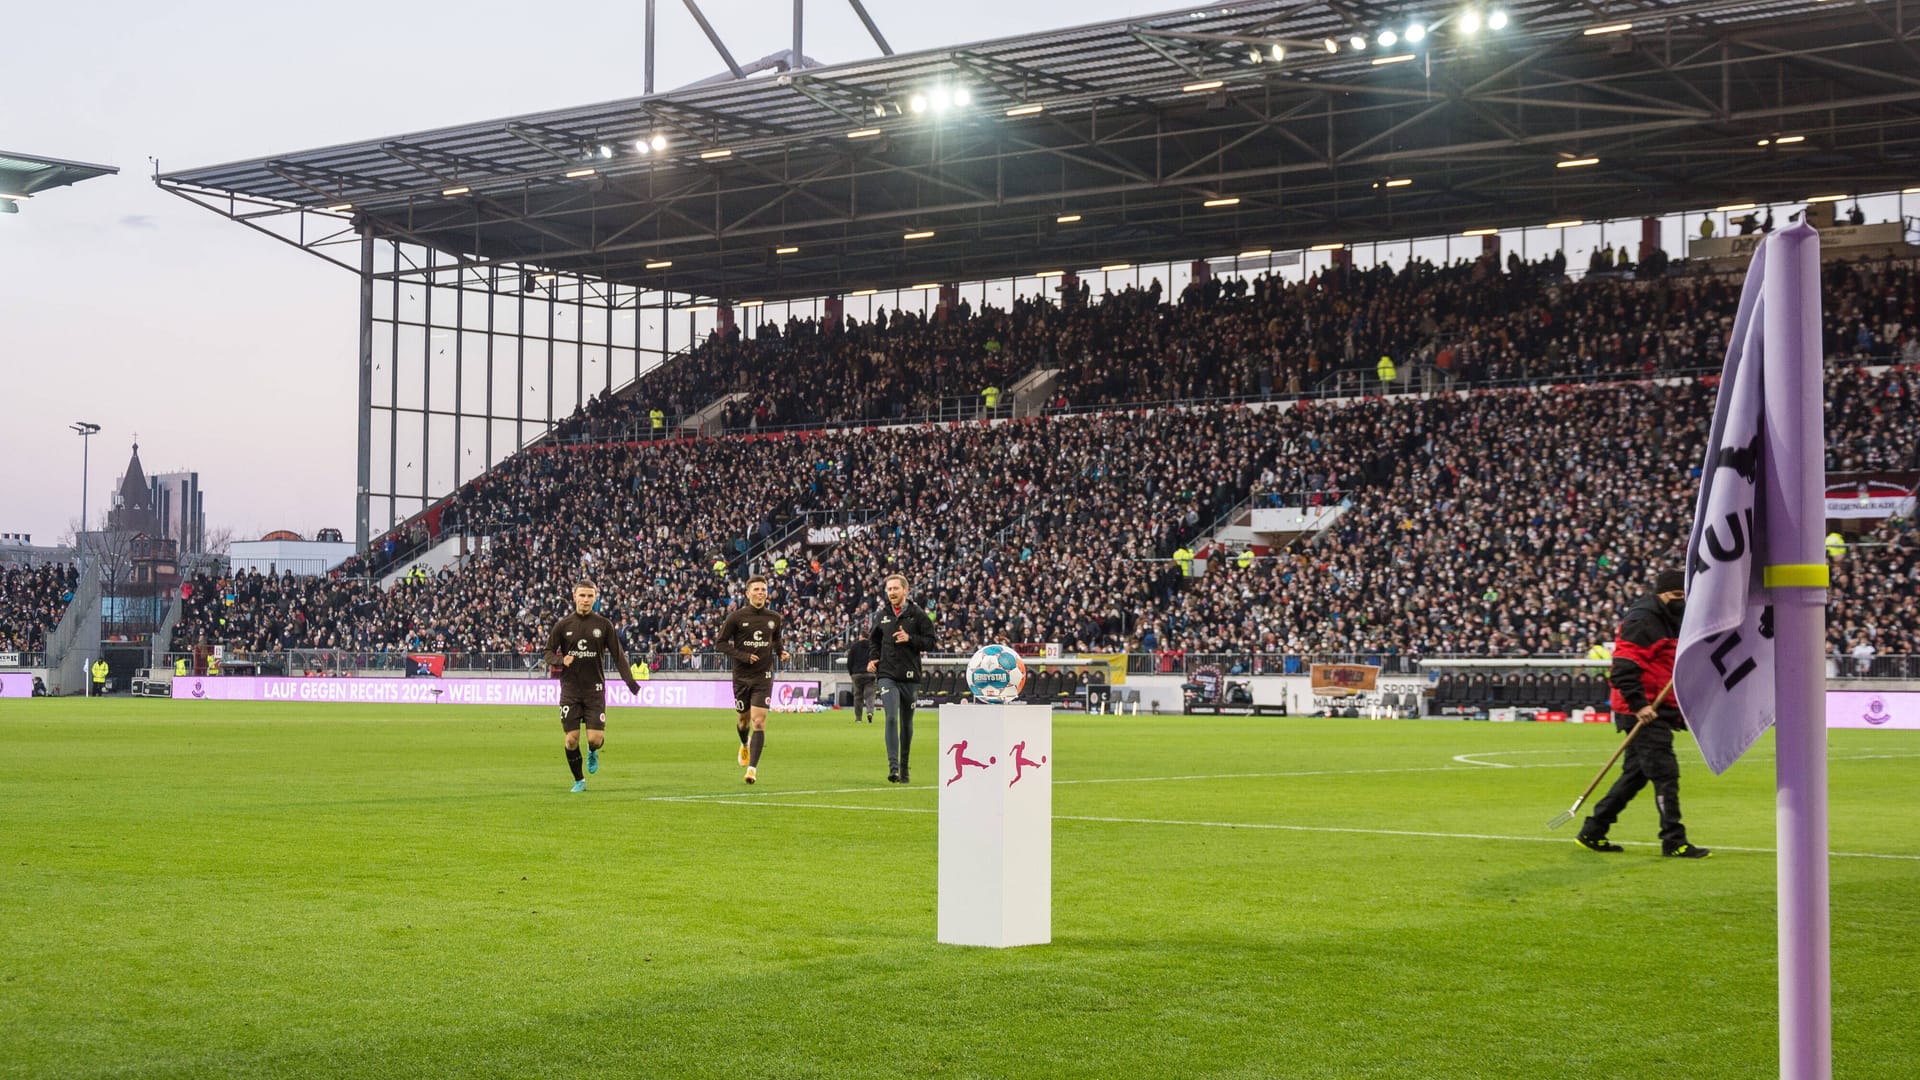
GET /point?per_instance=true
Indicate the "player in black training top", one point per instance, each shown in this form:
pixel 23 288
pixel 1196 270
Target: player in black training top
pixel 576 651
pixel 751 637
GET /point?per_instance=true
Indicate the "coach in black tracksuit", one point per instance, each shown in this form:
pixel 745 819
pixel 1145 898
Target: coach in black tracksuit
pixel 901 632
pixel 1642 668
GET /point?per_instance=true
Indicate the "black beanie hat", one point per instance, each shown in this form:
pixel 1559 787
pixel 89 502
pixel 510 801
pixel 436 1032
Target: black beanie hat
pixel 1669 581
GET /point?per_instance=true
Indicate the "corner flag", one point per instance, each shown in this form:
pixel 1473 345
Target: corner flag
pixel 1760 492
pixel 1751 647
pixel 1725 652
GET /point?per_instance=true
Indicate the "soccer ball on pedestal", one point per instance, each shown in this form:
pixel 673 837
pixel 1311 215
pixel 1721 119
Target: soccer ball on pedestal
pixel 995 675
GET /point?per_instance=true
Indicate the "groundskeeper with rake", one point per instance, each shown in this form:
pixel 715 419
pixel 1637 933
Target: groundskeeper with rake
pixel 1642 677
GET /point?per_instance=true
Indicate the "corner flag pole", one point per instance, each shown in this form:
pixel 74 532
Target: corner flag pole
pixel 1796 580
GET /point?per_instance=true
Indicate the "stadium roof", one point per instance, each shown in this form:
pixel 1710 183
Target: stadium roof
pixel 25 175
pixel 1683 104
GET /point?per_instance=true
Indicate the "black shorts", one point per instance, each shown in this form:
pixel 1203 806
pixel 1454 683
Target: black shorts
pixel 755 692
pixel 576 713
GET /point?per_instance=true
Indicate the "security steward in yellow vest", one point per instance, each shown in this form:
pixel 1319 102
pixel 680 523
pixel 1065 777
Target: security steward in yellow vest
pixel 1602 658
pixel 99 677
pixel 179 667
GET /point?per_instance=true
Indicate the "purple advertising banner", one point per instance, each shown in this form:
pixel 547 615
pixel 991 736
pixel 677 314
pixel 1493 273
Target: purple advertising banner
pixel 1873 709
pixel 655 693
pixel 20 685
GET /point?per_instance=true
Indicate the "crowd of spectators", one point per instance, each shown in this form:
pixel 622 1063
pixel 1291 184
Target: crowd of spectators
pixel 1512 521
pixel 1873 608
pixel 1243 339
pixel 1872 311
pixel 1094 503
pixel 396 547
pixel 32 599
pixel 800 374
pixel 1517 521
pixel 1490 520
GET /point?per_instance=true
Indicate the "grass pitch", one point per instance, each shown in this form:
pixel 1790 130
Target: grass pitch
pixel 209 889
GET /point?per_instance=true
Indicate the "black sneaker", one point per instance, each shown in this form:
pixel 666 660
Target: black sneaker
pixel 903 775
pixel 1597 843
pixel 893 776
pixel 1687 851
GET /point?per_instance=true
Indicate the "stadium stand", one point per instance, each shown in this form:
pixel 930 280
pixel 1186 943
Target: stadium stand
pixel 32 599
pixel 1505 521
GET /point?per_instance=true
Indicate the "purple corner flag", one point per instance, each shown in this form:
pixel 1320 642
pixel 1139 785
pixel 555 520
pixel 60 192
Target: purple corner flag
pixel 1723 666
pixel 1751 650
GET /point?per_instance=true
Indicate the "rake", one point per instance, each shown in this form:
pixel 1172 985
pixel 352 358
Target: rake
pixel 1567 815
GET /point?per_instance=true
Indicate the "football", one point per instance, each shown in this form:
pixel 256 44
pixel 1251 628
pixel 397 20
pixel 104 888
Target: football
pixel 995 674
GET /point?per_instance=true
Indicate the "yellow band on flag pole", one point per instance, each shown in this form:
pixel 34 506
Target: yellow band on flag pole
pixel 1795 576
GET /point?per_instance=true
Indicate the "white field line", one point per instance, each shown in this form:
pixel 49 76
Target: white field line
pixel 763 799
pixel 739 801
pixel 1111 780
pixel 1477 766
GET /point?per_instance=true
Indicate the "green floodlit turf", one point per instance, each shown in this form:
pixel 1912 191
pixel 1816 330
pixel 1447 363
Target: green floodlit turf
pixel 209 889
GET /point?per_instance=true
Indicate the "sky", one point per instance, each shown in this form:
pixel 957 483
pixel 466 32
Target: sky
pixel 234 355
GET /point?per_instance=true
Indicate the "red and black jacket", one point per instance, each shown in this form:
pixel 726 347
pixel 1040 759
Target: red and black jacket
pixel 1643 659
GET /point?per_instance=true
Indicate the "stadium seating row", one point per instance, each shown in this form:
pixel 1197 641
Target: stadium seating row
pixel 1565 691
pixel 1061 689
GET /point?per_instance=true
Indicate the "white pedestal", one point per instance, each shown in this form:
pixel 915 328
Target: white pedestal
pixel 996 825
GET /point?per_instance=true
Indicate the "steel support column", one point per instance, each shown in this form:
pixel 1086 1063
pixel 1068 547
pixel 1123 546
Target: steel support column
pixel 362 534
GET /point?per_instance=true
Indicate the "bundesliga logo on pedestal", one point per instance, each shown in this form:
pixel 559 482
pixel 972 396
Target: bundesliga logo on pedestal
pixel 995 675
